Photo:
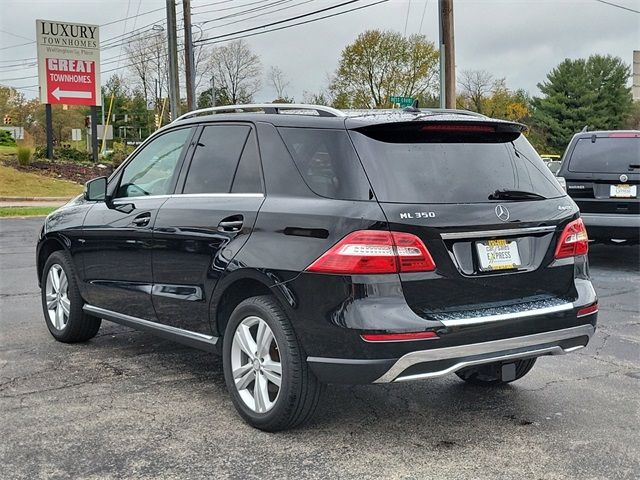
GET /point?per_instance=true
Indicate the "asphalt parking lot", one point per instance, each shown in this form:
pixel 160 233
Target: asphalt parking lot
pixel 128 405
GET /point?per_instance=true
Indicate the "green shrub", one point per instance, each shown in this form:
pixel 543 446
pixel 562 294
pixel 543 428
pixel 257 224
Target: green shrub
pixel 24 156
pixel 40 152
pixel 6 139
pixel 72 154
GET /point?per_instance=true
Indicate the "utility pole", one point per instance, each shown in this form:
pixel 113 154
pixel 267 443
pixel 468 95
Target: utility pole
pixel 447 55
pixel 174 85
pixel 213 91
pixel 189 63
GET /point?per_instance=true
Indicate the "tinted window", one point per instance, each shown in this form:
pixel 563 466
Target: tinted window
pixel 152 169
pixel 328 163
pixel 216 158
pixel 248 174
pixel 605 155
pixel 452 172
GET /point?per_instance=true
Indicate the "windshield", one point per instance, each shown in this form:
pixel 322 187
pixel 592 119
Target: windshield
pixel 451 172
pixel 605 155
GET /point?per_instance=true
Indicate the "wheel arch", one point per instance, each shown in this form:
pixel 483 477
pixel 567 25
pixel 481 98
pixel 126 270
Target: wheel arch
pixel 237 287
pixel 45 248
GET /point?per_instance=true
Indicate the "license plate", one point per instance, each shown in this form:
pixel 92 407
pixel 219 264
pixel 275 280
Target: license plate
pixel 498 255
pixel 623 191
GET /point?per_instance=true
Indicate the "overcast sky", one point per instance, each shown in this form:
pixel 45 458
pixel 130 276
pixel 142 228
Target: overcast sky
pixel 520 40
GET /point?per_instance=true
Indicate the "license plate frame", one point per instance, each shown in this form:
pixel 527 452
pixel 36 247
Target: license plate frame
pixel 620 191
pixel 498 255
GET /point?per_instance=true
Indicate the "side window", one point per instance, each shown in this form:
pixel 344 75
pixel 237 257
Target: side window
pixel 327 161
pixel 151 170
pixel 248 175
pixel 215 159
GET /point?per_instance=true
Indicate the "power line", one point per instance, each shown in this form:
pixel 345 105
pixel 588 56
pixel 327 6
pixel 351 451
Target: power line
pixel 15 35
pixel 299 23
pixel 264 13
pixel 424 10
pixel 618 6
pixel 209 40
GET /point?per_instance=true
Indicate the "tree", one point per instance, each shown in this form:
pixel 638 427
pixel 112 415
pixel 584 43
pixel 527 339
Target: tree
pixel 237 70
pixel 279 82
pixel 147 57
pixel 204 99
pixel 579 93
pixel 384 63
pixel 475 87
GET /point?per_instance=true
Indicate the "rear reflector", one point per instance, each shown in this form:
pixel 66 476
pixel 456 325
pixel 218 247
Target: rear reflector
pixel 375 251
pixel 398 337
pixel 583 312
pixel 458 128
pixel 573 241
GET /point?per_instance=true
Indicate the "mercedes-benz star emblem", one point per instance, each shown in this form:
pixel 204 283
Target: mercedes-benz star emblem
pixel 623 178
pixel 502 212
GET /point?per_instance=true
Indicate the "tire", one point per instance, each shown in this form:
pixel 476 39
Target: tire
pixel 490 374
pixel 66 320
pixel 277 408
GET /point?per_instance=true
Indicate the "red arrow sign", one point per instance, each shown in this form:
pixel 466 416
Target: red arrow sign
pixel 72 82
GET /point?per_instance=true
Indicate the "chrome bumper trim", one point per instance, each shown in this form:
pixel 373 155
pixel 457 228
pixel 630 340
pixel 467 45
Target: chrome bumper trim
pixel 456 322
pixel 494 351
pixel 497 233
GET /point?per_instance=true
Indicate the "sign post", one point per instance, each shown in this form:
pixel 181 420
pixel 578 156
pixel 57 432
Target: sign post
pixel 69 70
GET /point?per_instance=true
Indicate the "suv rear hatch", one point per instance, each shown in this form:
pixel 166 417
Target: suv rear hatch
pixel 603 172
pixel 485 205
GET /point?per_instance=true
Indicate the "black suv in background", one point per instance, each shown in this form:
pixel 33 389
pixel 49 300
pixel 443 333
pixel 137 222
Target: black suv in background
pixel 602 175
pixel 308 245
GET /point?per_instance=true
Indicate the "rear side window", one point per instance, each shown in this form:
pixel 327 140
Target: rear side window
pixel 225 160
pixel 328 163
pixel 452 168
pixel 606 155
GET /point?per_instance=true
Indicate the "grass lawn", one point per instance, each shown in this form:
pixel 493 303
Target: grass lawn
pixel 25 211
pixel 6 149
pixel 14 183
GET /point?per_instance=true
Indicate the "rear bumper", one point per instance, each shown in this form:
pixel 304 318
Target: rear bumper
pixel 435 362
pixel 607 226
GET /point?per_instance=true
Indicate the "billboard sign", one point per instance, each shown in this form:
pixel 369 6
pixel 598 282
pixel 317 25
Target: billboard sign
pixel 68 63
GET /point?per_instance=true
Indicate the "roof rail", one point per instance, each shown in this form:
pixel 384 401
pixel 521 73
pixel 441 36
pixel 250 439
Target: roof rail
pixel 267 108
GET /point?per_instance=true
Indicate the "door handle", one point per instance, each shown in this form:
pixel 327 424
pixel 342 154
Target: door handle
pixel 142 220
pixel 231 224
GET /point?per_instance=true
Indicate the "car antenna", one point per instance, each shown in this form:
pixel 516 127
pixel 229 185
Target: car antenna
pixel 413 108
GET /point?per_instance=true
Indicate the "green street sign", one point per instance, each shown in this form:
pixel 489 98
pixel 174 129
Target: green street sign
pixel 402 101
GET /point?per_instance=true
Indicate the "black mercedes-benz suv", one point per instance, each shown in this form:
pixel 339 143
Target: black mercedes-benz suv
pixel 308 245
pixel 602 174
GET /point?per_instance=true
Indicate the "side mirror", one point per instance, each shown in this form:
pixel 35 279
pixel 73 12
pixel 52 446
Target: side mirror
pixel 96 189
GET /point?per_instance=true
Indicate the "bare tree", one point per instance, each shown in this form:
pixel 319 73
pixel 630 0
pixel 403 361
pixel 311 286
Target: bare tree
pixel 279 82
pixel 147 61
pixel 475 87
pixel 237 71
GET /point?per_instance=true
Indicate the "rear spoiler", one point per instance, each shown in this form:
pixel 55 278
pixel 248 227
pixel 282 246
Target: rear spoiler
pixel 444 131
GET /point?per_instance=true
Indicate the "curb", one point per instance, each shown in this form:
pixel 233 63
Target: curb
pixel 35 199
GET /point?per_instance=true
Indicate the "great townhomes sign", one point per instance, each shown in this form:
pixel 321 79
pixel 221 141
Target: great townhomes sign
pixel 68 62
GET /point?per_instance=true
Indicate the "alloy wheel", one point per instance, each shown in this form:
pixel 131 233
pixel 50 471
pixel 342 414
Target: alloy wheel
pixel 255 364
pixel 57 297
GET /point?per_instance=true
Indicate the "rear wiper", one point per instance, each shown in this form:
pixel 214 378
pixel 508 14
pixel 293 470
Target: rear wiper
pixel 506 194
pixel 633 166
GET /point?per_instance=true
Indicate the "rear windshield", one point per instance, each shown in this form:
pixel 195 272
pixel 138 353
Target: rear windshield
pixel 605 155
pixel 450 172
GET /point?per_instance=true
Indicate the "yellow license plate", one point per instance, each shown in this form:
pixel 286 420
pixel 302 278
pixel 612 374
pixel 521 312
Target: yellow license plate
pixel 498 255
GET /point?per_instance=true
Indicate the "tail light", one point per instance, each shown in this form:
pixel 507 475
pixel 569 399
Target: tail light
pixel 573 241
pixel 374 251
pixel 443 127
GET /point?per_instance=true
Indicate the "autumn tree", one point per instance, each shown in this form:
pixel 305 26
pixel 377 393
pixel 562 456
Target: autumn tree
pixel 237 71
pixel 278 81
pixel 380 64
pixel 475 86
pixel 589 92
